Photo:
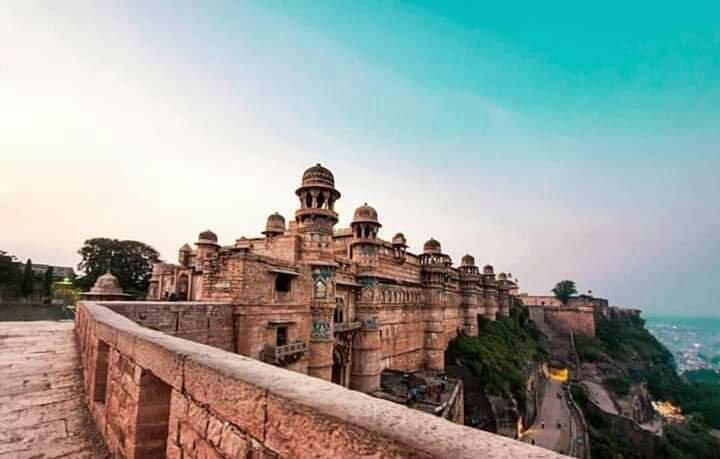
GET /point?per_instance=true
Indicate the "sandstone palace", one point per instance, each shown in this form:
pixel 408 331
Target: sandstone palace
pixel 341 304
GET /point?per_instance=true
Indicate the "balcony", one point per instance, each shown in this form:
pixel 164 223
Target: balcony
pixel 340 327
pixel 284 355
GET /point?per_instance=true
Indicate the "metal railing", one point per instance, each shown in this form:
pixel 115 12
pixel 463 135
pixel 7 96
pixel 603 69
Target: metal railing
pixel 285 353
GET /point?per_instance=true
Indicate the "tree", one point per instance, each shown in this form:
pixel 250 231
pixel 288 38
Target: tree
pixel 563 290
pixel 47 282
pixel 130 261
pixel 28 279
pixel 10 275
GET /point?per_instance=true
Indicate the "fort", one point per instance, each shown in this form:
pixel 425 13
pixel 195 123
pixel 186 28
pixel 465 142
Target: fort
pixel 578 316
pixel 340 304
pixel 253 349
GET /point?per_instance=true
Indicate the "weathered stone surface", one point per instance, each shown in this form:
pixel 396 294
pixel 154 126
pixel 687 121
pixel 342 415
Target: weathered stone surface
pixel 233 406
pixel 42 411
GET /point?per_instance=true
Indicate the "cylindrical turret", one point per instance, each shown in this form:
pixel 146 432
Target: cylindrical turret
pixel 317 196
pixel 274 226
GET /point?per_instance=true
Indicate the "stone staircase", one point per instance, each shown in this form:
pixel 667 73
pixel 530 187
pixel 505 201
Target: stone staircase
pixel 42 414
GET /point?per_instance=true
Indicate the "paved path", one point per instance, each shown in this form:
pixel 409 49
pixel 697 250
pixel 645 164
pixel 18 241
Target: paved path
pixel 552 411
pixel 42 414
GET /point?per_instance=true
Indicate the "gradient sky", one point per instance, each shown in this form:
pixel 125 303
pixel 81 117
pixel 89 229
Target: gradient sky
pixel 554 140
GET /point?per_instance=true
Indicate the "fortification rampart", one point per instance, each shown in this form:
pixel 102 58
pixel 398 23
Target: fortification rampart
pixel 565 319
pixel 155 395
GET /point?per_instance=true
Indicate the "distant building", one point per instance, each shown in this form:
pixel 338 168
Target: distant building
pixel 59 272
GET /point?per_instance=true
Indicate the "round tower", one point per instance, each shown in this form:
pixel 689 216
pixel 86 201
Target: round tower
pixel 317 195
pixel 399 246
pixel 471 298
pixel 206 244
pixel 315 220
pixel 184 255
pixel 490 292
pixel 365 227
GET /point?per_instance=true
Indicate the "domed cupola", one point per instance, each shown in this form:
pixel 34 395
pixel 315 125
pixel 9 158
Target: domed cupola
pixel 432 254
pixel 502 276
pixel 275 225
pixel 207 245
pixel 365 227
pixel 488 270
pixel 432 246
pixel 365 224
pixel 366 214
pixel 207 237
pixel 467 265
pixel 317 196
pixel 467 260
pixel 318 175
pixel 184 254
pixel 399 246
pixel 107 288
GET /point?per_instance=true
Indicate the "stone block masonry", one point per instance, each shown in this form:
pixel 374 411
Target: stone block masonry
pixel 164 393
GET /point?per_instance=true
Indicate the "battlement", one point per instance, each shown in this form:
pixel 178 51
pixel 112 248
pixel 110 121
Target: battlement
pixel 155 395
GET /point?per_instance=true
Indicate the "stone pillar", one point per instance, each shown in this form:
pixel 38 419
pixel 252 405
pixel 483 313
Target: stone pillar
pixel 366 355
pixel 434 338
pixel 321 344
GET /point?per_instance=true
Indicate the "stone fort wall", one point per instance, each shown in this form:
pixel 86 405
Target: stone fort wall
pixel 206 323
pixel 156 395
pixel 565 319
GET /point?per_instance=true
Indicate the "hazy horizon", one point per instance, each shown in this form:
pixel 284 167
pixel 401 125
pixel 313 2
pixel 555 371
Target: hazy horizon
pixel 560 141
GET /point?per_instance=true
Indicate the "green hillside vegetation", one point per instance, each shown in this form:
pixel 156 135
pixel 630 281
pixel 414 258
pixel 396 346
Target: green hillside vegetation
pixel 688 441
pixel 630 344
pixel 502 354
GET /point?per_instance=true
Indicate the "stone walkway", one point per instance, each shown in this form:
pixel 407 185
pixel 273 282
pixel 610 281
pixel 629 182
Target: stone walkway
pixel 42 414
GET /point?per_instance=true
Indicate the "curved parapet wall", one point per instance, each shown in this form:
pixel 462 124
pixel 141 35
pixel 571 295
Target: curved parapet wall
pixel 152 394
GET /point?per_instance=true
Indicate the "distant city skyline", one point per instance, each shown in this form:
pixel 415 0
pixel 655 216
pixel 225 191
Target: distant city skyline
pixel 563 141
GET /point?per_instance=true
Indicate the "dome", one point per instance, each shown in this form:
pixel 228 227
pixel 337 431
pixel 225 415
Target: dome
pixel 107 284
pixel 186 248
pixel 399 239
pixel 488 269
pixel 467 260
pixel 432 246
pixel 502 276
pixel 207 237
pixel 365 214
pixel 275 224
pixel 318 175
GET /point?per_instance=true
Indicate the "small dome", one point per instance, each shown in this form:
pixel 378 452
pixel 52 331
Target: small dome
pixel 432 246
pixel 502 276
pixel 275 224
pixel 207 237
pixel 365 214
pixel 107 284
pixel 399 239
pixel 186 248
pixel 467 260
pixel 318 175
pixel 488 269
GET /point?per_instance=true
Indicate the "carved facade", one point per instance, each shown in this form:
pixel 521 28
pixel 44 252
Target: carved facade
pixel 338 304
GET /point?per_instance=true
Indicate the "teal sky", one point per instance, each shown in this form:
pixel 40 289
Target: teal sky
pixel 552 139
